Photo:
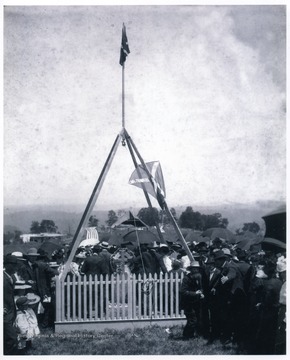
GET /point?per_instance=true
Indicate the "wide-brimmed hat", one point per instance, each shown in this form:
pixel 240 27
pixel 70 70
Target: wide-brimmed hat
pixel 22 301
pixel 21 285
pixel 227 251
pixel 33 298
pixel 32 252
pixel 10 259
pixel 81 255
pixel 193 264
pixel 18 254
pixel 219 255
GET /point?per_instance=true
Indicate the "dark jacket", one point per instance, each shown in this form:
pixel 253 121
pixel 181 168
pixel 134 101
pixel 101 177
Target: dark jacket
pixel 188 296
pixel 41 274
pixel 92 265
pixel 9 304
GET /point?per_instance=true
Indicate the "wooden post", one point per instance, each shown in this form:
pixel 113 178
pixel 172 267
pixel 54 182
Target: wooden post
pixel 91 203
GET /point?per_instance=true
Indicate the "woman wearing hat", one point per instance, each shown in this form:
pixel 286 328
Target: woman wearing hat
pixel 191 295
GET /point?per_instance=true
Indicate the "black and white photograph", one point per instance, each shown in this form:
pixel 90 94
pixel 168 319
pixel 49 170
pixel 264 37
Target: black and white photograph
pixel 144 178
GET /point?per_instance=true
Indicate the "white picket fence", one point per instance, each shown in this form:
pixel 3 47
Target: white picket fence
pixel 118 301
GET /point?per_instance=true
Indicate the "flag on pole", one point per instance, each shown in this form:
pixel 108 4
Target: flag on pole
pixel 124 52
pixel 157 190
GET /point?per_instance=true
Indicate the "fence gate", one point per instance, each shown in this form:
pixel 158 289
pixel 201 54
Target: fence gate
pixel 119 301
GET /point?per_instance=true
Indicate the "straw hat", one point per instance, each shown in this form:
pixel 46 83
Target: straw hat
pixel 33 298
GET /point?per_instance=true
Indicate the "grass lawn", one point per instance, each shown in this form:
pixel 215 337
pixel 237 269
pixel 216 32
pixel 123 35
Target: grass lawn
pixel 152 340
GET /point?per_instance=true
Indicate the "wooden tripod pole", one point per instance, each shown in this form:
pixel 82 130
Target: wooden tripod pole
pixel 91 203
pixel 176 228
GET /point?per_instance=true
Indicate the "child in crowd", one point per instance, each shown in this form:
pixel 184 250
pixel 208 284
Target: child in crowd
pixel 26 324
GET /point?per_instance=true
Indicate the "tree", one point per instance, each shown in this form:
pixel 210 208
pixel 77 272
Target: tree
pixel 186 219
pixel 215 220
pixel 93 221
pixel 112 218
pixel 35 227
pixel 149 216
pixel 48 226
pixel 253 227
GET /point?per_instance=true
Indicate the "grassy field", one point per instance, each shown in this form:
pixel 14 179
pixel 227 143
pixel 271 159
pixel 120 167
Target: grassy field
pixel 152 340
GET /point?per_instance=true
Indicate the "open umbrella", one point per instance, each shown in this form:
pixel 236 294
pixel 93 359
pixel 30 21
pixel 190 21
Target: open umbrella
pixel 276 224
pixel 141 236
pixel 248 240
pixel 221 233
pixel 192 236
pixel 130 220
pixel 273 245
pixel 49 247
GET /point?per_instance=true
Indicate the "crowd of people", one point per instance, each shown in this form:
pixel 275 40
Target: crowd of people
pixel 227 294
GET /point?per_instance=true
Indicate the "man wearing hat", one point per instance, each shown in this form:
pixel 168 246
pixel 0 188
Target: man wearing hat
pixel 9 311
pixel 39 275
pixel 106 258
pixel 227 288
pixel 191 295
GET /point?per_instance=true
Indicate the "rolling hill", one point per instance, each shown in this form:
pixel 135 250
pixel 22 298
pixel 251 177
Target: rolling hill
pixel 67 218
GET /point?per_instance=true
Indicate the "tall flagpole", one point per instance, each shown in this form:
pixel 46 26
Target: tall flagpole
pixel 123 96
pixel 125 51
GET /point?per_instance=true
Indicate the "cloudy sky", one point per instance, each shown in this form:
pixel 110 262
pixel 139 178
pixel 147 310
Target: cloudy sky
pixel 204 94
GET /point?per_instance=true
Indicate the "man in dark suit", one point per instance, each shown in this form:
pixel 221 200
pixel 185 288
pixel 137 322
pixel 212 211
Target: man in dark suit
pixel 228 288
pixel 39 275
pixel 191 295
pixel 211 279
pixel 93 264
pixel 9 311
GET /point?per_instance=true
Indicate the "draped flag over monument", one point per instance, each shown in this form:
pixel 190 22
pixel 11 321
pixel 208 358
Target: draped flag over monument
pixel 125 51
pixel 155 186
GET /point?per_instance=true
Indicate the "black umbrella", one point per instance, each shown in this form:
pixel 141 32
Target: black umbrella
pixel 274 245
pixel 276 224
pixel 221 233
pixel 141 237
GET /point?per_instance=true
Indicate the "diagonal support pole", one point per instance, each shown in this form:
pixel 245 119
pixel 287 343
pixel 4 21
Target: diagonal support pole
pixel 176 228
pixel 91 203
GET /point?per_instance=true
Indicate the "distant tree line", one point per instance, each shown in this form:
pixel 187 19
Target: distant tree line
pixel 188 219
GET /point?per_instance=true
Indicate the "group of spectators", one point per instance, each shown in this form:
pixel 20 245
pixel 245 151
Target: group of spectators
pixel 227 294
pixel 28 299
pixel 237 298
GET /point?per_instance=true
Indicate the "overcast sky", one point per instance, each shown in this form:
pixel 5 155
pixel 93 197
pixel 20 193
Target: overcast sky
pixel 205 95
